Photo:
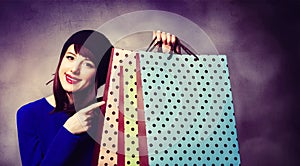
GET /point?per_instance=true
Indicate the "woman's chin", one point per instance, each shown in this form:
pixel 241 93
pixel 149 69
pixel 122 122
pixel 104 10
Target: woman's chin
pixel 72 88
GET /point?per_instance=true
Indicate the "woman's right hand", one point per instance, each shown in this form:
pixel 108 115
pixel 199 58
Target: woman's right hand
pixel 81 121
pixel 168 42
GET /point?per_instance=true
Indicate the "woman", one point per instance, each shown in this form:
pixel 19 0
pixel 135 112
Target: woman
pixel 50 130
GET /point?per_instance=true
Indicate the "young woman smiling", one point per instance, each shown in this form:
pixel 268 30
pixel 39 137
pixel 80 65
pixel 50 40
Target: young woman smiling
pixel 54 130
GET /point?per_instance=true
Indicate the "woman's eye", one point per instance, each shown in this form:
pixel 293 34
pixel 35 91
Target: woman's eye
pixel 70 57
pixel 89 64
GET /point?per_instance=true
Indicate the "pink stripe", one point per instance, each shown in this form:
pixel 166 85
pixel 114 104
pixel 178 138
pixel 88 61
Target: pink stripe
pixel 143 150
pixel 121 141
pixel 107 83
pixel 102 108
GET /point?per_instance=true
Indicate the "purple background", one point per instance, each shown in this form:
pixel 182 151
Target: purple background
pixel 260 38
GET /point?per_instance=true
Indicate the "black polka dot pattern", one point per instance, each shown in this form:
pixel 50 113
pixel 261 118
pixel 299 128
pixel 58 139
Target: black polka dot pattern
pixel 189 110
pixel 188 106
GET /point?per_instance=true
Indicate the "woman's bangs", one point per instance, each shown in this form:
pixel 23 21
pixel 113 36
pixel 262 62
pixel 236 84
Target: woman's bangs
pixel 83 51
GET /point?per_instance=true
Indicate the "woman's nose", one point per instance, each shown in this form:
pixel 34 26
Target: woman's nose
pixel 76 68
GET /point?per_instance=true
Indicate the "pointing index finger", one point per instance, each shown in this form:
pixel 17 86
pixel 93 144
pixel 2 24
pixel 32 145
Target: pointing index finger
pixel 92 107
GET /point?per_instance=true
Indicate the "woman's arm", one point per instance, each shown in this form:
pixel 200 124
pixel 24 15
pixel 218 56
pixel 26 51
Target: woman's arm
pixel 61 148
pixel 29 145
pixel 63 145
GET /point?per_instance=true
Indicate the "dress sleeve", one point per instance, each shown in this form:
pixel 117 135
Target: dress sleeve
pixel 61 148
pixel 59 151
pixel 29 144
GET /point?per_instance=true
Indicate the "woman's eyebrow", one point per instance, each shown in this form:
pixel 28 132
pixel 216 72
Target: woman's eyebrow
pixel 71 53
pixel 85 58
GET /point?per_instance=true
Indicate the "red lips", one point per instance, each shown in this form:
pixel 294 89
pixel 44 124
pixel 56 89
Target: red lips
pixel 72 80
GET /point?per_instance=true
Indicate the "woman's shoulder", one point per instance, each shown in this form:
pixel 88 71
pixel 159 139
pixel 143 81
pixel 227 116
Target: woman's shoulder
pixel 35 107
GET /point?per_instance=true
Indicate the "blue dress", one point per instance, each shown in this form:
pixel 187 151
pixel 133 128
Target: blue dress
pixel 44 141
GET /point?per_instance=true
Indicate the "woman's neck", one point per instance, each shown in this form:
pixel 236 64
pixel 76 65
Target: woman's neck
pixel 81 99
pixel 70 97
pixel 51 100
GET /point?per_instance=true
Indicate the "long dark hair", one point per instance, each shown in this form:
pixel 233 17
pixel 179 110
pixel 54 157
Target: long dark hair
pixel 100 47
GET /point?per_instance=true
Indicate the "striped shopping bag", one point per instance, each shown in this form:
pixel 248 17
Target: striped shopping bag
pixel 166 109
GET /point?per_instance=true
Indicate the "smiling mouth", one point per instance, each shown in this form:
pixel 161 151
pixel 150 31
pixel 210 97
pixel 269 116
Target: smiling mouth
pixel 72 80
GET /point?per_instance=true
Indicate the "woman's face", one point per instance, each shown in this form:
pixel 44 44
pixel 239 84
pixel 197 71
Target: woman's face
pixel 76 72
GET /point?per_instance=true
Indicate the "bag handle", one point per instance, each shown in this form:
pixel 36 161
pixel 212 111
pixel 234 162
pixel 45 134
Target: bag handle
pixel 177 44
